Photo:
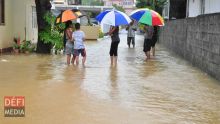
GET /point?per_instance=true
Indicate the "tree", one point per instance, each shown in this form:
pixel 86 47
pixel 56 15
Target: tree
pixel 120 8
pixel 52 33
pixel 97 3
pixel 42 7
pixel 156 5
pixel 93 2
pixel 142 3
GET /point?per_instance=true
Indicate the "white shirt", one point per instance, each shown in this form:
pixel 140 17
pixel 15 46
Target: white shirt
pixel 78 36
pixel 131 30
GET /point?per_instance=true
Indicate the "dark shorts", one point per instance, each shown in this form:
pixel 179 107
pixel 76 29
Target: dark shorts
pixel 147 45
pixel 153 42
pixel 114 48
pixel 131 40
pixel 77 52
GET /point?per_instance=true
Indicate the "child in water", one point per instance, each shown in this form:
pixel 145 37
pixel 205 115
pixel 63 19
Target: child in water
pixel 79 47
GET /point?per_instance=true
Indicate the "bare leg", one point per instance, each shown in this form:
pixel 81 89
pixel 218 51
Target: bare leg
pixel 148 54
pixel 153 51
pixel 84 60
pixel 73 60
pixel 111 57
pixel 77 60
pixel 68 59
pixel 116 59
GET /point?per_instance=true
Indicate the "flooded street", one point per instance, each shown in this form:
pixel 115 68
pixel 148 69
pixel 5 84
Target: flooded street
pixel 164 90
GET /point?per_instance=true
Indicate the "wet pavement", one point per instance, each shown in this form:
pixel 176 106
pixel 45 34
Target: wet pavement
pixel 164 90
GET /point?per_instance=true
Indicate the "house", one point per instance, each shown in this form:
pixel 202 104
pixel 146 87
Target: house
pixel 128 5
pixel 177 9
pixel 17 19
pixel 199 7
pixel 68 2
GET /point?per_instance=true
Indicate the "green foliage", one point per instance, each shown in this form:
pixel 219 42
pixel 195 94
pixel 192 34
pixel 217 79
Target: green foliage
pixel 26 46
pixel 93 2
pixel 120 8
pixel 97 3
pixel 16 46
pixel 101 34
pixel 142 4
pixel 53 33
pixel 151 4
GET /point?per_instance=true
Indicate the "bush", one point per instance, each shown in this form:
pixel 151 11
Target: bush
pixel 101 34
pixel 27 46
pixel 16 44
pixel 53 33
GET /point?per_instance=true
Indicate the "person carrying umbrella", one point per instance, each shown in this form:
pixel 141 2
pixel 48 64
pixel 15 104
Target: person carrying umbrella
pixel 148 34
pixel 114 33
pixel 114 18
pixel 69 42
pixel 149 18
pixel 65 17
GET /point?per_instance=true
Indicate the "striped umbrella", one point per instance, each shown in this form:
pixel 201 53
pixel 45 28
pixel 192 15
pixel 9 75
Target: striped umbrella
pixel 113 18
pixel 147 16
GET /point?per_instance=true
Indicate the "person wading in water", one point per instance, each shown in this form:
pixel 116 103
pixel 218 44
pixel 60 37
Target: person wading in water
pixel 114 33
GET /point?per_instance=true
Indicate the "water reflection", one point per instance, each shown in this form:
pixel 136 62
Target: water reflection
pixel 74 74
pixel 113 75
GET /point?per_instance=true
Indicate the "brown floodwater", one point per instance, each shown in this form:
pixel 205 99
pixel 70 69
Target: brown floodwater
pixel 164 90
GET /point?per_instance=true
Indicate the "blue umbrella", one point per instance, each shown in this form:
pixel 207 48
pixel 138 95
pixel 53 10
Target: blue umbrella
pixel 113 18
pixel 101 15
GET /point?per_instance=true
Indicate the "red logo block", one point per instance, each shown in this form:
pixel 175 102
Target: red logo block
pixel 14 106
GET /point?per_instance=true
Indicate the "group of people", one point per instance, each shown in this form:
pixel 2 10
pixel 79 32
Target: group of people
pixel 74 45
pixel 150 38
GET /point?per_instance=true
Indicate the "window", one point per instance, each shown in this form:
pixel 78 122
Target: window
pixel 2 12
pixel 202 6
pixel 166 11
pixel 34 17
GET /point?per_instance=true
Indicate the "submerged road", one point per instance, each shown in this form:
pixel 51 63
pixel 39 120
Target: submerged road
pixel 164 90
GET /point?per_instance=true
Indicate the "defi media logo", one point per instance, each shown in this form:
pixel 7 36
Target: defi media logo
pixel 14 106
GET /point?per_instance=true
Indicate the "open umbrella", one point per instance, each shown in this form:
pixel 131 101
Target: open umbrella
pixel 113 18
pixel 147 16
pixel 68 15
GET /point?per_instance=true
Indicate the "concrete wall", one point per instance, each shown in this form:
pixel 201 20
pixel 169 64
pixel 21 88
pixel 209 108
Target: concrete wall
pixel 91 32
pixel 197 40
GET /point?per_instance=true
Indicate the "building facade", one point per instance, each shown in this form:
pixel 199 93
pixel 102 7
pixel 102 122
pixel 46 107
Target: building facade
pixel 199 7
pixel 128 5
pixel 190 8
pixel 18 19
